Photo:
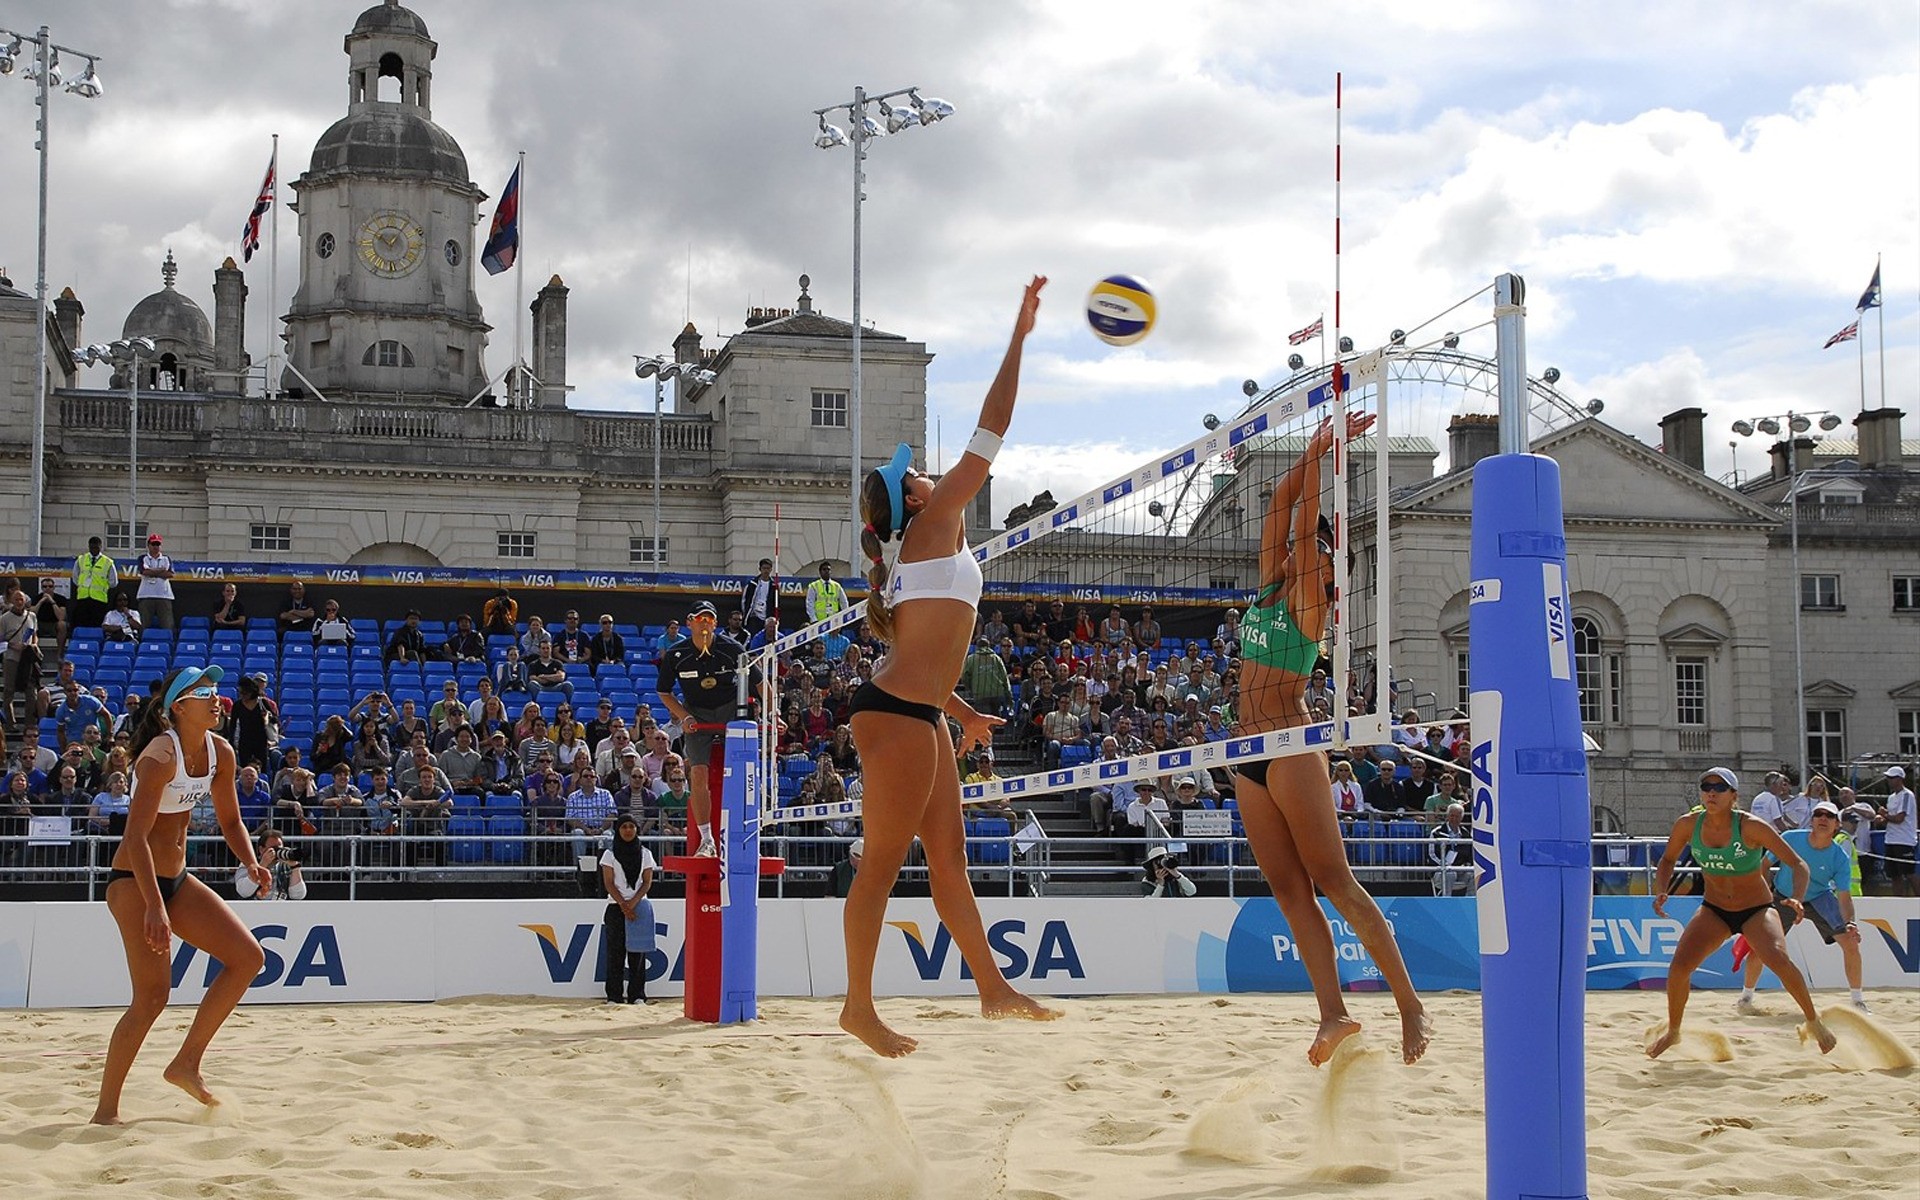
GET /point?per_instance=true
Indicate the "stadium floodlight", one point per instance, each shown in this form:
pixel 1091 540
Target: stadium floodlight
pixel 659 368
pixel 43 70
pixel 1768 426
pixel 1210 421
pixel 1743 428
pixel 88 86
pixel 862 129
pixel 1295 362
pixel 1830 422
pixel 1452 341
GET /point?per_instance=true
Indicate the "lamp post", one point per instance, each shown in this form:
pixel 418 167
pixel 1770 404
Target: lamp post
pixel 660 368
pixel 128 353
pixel 43 70
pixel 861 129
pixel 1797 423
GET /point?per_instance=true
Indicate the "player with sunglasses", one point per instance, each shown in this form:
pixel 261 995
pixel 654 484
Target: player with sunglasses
pixel 179 762
pixel 1731 848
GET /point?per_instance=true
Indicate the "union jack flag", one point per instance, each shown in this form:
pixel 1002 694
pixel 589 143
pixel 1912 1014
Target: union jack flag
pixel 1845 335
pixel 1302 337
pixel 262 204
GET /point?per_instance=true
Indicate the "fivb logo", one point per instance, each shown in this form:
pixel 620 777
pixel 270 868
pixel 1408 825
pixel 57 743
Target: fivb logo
pixel 1053 951
pixel 1906 951
pixel 1484 709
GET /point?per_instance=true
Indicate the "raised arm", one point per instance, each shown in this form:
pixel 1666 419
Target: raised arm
pixel 958 486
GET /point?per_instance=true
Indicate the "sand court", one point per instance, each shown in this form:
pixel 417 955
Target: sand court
pixel 1125 1098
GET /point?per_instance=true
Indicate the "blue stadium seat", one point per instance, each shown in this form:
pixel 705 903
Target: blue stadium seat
pixel 1410 847
pixel 507 831
pixel 1073 756
pixel 223 637
pixel 467 846
pixel 157 637
pixel 504 805
pixel 992 853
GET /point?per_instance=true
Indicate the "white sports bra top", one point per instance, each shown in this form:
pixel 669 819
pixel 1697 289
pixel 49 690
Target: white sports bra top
pixel 955 577
pixel 183 791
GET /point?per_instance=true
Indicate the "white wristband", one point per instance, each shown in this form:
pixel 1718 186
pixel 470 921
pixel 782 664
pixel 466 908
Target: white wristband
pixel 985 444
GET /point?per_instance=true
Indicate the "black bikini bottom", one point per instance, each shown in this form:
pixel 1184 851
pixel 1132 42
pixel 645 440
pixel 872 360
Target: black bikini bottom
pixel 873 698
pixel 169 885
pixel 1736 919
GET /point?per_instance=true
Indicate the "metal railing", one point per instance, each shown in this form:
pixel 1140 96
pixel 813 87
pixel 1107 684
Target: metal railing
pixel 1017 864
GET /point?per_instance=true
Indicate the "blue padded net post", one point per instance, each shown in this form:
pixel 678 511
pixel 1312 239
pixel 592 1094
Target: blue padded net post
pixel 740 875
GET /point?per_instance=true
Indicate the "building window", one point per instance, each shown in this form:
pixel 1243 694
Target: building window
pixel 270 539
pixel 829 410
pixel 1053 578
pixel 1690 691
pixel 515 544
pixel 1224 583
pixel 1906 593
pixel 1462 680
pixel 1908 729
pixel 1138 579
pixel 642 552
pixel 1826 736
pixel 387 354
pixel 1616 678
pixel 117 540
pixel 1587 670
pixel 1819 591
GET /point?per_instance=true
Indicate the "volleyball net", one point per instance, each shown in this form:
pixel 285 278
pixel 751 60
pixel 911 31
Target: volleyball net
pixel 1180 532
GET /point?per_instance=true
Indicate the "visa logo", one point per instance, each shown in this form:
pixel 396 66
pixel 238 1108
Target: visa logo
pixel 564 963
pixel 207 572
pixel 1118 490
pixel 603 581
pixel 1177 462
pixel 1906 951
pixel 318 957
pixel 343 575
pixel 409 576
pixel 1052 952
pixel 1066 514
pixel 1018 536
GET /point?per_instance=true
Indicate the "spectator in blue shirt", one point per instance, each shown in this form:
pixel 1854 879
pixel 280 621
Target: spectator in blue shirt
pixel 1829 903
pixel 590 813
pixel 668 638
pixel 256 801
pixel 75 712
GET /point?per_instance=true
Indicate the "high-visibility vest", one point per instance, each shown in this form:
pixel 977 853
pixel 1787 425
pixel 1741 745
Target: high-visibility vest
pixel 93 577
pixel 825 597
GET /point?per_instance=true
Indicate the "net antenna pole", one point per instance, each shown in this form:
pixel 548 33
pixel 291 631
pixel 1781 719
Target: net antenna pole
pixel 1382 573
pixel 1338 415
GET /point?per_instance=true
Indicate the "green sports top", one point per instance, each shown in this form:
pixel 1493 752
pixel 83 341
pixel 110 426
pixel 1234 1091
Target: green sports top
pixel 1734 858
pixel 1270 636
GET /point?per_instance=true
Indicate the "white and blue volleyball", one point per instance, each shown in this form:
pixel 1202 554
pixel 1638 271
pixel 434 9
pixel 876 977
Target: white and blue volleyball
pixel 1120 310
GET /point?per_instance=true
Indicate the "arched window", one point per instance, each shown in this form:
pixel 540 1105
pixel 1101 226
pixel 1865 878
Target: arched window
pixel 387 354
pixel 1591 669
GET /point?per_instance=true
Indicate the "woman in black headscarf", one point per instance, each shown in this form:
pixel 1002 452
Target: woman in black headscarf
pixel 626 868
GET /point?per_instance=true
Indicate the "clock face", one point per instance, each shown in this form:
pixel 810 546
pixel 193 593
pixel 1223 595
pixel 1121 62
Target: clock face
pixel 453 253
pixel 391 244
pixel 324 246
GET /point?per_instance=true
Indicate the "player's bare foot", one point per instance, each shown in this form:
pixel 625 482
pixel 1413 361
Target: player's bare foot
pixel 869 1028
pixel 1665 1042
pixel 1817 1032
pixel 1329 1036
pixel 187 1079
pixel 1416 1030
pixel 1015 1007
pixel 101 1117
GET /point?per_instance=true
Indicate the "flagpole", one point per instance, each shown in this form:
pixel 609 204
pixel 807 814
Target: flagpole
pixel 1861 343
pixel 273 271
pixel 1882 297
pixel 519 282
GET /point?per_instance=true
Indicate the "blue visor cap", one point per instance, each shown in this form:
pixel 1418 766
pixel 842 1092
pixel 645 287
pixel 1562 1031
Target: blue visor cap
pixel 894 472
pixel 190 678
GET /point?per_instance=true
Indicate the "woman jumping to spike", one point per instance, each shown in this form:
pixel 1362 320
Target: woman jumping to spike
pixel 924 606
pixel 178 762
pixel 1293 831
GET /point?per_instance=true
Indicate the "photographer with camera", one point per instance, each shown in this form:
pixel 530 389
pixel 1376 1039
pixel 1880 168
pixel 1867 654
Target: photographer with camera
pixel 282 862
pixel 1164 877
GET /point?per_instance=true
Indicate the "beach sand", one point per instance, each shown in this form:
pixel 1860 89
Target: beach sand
pixel 1191 1097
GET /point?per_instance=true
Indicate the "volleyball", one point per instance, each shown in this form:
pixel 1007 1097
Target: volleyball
pixel 1120 310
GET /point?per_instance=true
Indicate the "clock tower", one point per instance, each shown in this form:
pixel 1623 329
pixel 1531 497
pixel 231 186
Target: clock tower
pixel 386 305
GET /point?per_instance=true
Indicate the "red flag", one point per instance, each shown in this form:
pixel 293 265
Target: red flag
pixel 1845 335
pixel 1303 336
pixel 262 204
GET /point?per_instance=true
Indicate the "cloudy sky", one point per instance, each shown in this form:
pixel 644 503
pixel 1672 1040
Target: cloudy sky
pixel 1695 192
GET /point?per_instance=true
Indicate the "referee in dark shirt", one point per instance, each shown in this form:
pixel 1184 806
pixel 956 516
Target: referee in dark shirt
pixel 705 666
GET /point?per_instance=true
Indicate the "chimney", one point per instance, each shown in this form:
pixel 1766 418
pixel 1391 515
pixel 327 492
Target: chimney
pixel 805 302
pixel 1783 462
pixel 67 312
pixel 686 347
pixel 1470 438
pixel 229 330
pixel 1878 434
pixel 550 344
pixel 1681 438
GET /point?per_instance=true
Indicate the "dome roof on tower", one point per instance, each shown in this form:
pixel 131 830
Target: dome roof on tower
pixel 168 316
pixel 390 18
pixel 389 138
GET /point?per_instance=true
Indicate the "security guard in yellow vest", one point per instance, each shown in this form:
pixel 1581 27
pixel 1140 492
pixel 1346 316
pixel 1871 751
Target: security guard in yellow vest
pixel 825 596
pixel 94 575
